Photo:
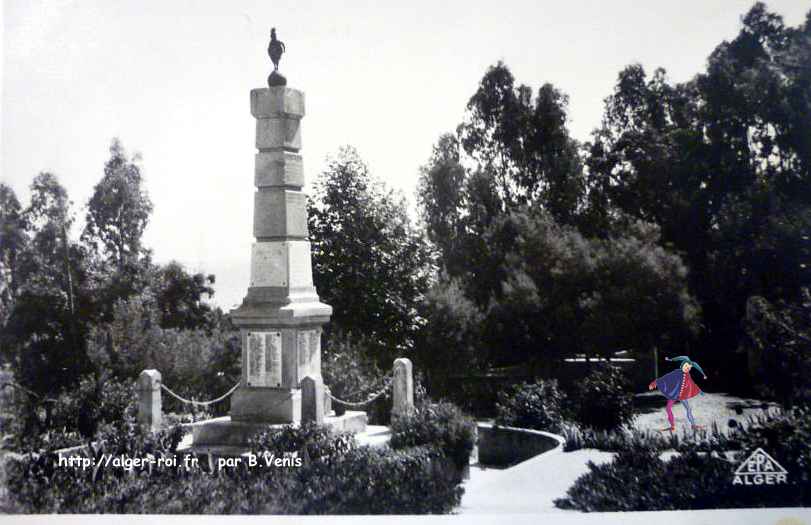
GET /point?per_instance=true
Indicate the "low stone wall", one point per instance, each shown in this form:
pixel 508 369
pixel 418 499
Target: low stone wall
pixel 506 446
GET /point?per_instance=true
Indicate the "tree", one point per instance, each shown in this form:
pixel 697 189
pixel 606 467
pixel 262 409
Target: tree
pixel 45 331
pixel 567 294
pixel 450 336
pixel 778 341
pixel 119 209
pixel 524 144
pixel 117 214
pixel 13 240
pixel 722 164
pixel 368 260
pixel 513 150
pixel 179 297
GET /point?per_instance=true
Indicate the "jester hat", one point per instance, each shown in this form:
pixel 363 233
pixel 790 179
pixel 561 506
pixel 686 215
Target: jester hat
pixel 684 359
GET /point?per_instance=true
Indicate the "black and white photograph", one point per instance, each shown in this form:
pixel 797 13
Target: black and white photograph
pixel 526 261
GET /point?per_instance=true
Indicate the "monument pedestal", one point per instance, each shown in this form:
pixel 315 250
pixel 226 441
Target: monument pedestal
pixel 225 437
pixel 266 405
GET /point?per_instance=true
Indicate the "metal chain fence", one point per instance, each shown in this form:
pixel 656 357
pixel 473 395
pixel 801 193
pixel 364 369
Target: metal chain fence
pixel 371 397
pixel 200 403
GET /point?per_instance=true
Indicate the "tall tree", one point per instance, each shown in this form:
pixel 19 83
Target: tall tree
pixel 722 164
pixel 46 329
pixel 368 259
pixel 13 240
pixel 523 143
pixel 512 150
pixel 117 214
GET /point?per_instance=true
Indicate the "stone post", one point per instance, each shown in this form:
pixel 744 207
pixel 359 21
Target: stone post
pixel 149 399
pixel 281 317
pixel 402 388
pixel 327 401
pixel 312 399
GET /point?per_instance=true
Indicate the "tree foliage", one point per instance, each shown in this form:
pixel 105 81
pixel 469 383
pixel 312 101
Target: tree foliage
pixel 13 240
pixel 119 209
pixel 505 205
pixel 721 163
pixel 368 259
pixel 60 296
pixel 44 333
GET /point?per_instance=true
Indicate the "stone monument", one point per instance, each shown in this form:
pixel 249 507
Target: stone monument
pixel 281 316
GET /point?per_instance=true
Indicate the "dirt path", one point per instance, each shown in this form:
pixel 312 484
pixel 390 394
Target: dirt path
pixel 707 409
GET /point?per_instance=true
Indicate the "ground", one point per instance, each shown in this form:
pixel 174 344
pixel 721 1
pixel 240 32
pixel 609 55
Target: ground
pixel 707 409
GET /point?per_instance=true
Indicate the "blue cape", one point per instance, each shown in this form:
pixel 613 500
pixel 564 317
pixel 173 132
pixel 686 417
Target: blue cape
pixel 670 384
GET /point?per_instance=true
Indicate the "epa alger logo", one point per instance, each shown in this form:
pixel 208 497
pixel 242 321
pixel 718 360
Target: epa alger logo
pixel 760 469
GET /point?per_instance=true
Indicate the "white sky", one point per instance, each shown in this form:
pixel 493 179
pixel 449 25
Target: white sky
pixel 171 79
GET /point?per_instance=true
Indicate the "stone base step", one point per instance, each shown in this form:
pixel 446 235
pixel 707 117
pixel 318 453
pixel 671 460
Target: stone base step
pixel 231 437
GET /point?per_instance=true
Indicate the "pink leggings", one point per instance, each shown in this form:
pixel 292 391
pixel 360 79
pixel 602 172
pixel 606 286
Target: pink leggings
pixel 669 410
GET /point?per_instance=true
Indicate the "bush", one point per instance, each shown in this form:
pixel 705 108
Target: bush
pixel 72 418
pixel 638 480
pixel 353 376
pixel 603 400
pixel 441 425
pixel 616 440
pixel 786 436
pixel 310 440
pixel 531 405
pixel 380 481
pixel 96 401
pixel 335 477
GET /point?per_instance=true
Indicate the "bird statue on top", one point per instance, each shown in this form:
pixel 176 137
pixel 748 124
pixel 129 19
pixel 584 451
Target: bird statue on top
pixel 275 50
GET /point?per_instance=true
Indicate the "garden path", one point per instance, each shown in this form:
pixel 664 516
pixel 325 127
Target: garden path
pixel 530 486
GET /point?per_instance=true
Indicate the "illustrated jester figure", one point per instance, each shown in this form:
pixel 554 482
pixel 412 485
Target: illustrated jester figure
pixel 679 386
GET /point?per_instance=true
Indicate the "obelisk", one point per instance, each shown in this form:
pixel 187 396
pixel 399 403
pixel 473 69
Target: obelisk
pixel 281 317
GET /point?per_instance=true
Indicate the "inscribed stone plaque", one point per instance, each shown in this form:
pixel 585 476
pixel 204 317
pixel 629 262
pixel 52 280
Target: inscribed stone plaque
pixel 315 341
pixel 269 264
pixel 303 347
pixel 256 359
pixel 264 359
pixel 273 359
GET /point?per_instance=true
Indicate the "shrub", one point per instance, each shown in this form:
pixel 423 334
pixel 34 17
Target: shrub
pixel 70 419
pixel 603 400
pixel 440 425
pixel 700 478
pixel 715 440
pixel 786 436
pixel 380 481
pixel 96 401
pixel 615 440
pixel 531 405
pixel 353 376
pixel 311 440
pixel 337 478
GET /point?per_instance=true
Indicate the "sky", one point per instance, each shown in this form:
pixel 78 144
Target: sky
pixel 171 80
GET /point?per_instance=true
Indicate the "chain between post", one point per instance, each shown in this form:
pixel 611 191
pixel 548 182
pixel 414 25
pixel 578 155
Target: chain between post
pixel 200 403
pixel 368 400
